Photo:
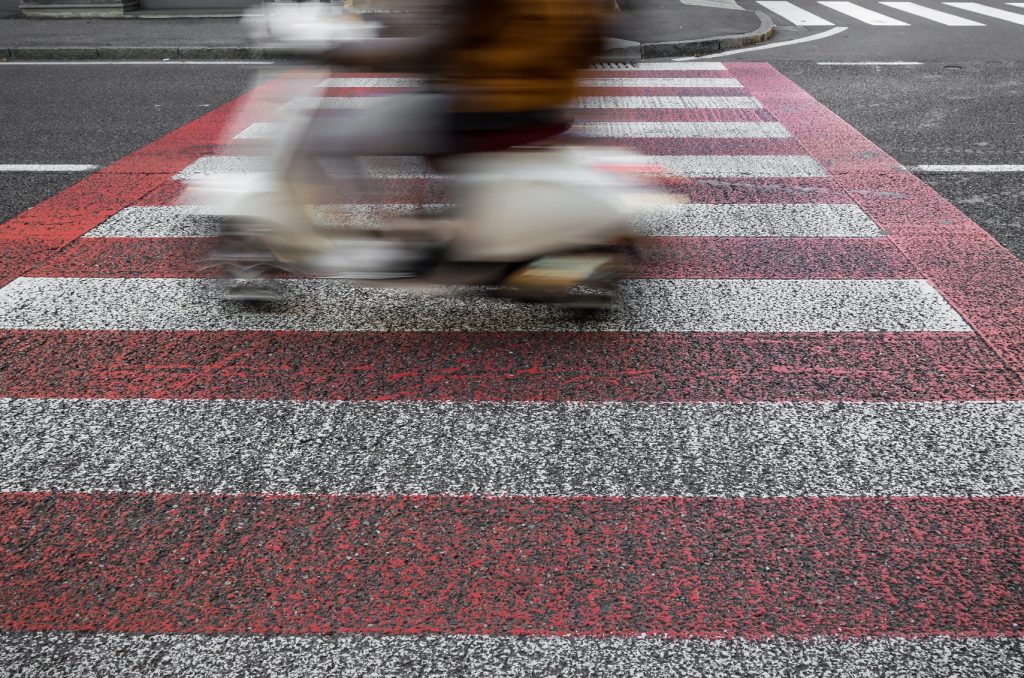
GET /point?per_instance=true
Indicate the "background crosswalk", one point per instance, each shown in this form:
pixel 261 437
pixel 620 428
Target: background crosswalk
pixel 893 14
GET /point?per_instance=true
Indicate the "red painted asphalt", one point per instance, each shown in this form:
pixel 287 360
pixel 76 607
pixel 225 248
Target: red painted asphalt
pixel 688 568
pixel 708 568
pixel 492 366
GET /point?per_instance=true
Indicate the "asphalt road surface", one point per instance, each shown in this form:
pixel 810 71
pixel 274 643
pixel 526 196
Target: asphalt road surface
pixel 795 450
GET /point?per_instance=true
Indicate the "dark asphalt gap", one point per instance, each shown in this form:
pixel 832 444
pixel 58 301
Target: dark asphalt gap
pixel 91 114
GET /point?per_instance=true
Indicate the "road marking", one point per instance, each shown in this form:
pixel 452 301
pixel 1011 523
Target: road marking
pixel 869 63
pixel 625 130
pixel 47 168
pixel 614 102
pixel 798 16
pixel 739 165
pixel 995 13
pixel 352 655
pixel 666 66
pixel 868 16
pixel 968 168
pixel 935 15
pixel 692 220
pixel 653 82
pixel 513 449
pixel 668 567
pixel 680 305
pixel 674 165
pixel 824 34
pixel 757 220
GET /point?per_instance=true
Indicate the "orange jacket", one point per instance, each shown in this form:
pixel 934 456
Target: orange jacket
pixel 513 55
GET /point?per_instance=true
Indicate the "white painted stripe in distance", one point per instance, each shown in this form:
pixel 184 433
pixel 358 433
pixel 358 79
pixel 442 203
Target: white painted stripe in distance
pixel 371 82
pixel 653 83
pixel 47 168
pixel 609 81
pixel 786 43
pixel 868 16
pixel 968 168
pixel 646 130
pixel 501 656
pixel 513 449
pixel 625 102
pixel 687 305
pixel 770 220
pixel 678 165
pixel 994 12
pixel 944 18
pixel 740 165
pixel 869 63
pixel 666 66
pixel 798 16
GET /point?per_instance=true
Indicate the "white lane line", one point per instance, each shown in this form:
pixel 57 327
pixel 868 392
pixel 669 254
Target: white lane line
pixel 47 168
pixel 675 165
pixel 810 38
pixel 693 220
pixel 625 130
pixel 868 16
pixel 354 655
pixel 798 16
pixel 994 12
pixel 688 305
pixel 968 168
pixel 943 18
pixel 869 63
pixel 513 449
pixel 623 102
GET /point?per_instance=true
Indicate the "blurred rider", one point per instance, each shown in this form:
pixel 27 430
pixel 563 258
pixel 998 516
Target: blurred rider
pixel 498 73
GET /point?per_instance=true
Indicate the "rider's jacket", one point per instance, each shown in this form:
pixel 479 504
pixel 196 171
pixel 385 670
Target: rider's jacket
pixel 516 55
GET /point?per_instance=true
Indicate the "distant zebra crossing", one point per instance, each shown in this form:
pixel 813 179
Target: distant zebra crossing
pixel 894 14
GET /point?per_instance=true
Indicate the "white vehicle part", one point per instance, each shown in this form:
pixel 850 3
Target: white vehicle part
pixel 309 27
pixel 519 205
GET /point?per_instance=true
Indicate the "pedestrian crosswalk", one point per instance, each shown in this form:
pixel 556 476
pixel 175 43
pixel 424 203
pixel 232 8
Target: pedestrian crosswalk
pixel 893 14
pixel 797 444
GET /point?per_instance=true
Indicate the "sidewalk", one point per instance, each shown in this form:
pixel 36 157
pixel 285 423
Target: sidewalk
pixel 649 29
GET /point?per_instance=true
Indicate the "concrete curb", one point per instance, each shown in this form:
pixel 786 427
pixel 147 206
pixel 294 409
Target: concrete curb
pixel 615 50
pixel 662 50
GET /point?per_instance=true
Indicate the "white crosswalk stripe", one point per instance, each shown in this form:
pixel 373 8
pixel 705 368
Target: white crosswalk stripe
pixel 690 220
pixel 797 15
pixel 626 130
pixel 863 13
pixel 985 10
pixel 615 102
pixel 679 305
pixel 868 16
pixel 944 18
pixel 674 165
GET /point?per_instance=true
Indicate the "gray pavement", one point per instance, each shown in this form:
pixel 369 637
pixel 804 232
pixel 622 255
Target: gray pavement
pixel 668 27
